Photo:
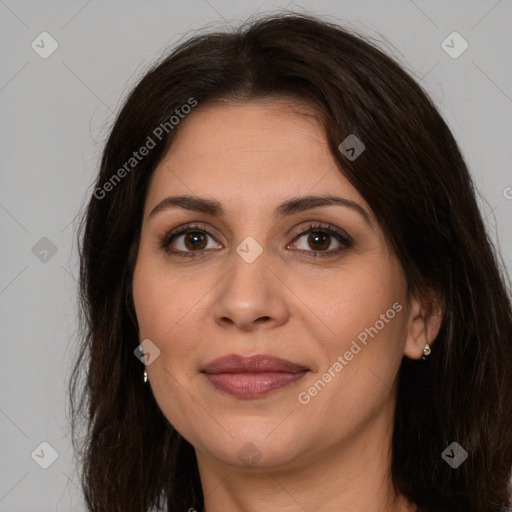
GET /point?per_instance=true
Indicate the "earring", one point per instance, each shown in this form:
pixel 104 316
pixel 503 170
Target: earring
pixel 145 376
pixel 426 348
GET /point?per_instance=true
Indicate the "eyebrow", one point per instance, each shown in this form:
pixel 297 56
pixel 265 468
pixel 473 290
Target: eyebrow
pixel 289 207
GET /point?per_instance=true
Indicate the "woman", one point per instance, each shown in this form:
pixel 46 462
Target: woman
pixel 287 239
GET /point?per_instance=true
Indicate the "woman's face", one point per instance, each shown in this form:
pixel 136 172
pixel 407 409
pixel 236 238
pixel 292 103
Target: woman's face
pixel 244 281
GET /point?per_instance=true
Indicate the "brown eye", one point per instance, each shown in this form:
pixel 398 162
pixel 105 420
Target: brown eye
pixel 187 240
pixel 194 240
pixel 320 239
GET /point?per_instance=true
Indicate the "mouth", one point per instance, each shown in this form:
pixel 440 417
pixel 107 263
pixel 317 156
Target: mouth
pixel 252 377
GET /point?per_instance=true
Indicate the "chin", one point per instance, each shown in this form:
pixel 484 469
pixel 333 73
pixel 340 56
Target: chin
pixel 256 445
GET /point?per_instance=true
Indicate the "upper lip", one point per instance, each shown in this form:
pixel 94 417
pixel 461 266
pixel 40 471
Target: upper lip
pixel 235 363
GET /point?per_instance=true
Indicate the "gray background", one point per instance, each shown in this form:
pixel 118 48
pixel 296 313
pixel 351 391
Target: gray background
pixel 55 115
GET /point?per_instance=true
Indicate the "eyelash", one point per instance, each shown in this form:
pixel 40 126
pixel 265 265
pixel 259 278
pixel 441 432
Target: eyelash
pixel 329 229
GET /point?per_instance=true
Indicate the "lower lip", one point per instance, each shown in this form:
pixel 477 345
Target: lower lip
pixel 253 385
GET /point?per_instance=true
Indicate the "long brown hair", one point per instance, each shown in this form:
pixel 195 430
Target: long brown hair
pixel 413 176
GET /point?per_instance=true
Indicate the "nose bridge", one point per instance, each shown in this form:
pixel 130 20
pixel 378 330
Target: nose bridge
pixel 249 291
pixel 249 275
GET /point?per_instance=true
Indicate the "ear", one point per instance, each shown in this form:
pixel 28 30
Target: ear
pixel 425 318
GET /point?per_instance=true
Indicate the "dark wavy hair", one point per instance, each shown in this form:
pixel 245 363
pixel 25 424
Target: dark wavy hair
pixel 413 176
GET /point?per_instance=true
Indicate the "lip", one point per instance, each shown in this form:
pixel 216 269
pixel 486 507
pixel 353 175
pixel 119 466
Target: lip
pixel 235 363
pixel 252 377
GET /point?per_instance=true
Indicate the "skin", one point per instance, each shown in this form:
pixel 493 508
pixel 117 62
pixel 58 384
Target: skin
pixel 332 453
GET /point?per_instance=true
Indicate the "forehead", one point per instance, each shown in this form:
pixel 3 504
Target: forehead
pixel 239 152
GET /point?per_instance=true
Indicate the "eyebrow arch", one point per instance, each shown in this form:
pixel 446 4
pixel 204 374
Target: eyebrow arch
pixel 289 207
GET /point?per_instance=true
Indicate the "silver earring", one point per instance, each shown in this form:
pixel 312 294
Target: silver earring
pixel 145 376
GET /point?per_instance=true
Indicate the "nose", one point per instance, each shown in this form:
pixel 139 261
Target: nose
pixel 251 296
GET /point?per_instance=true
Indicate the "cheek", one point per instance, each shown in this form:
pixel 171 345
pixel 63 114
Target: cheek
pixel 171 311
pixel 346 302
pixel 359 372
pixel 161 300
pixel 362 318
pixel 163 313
